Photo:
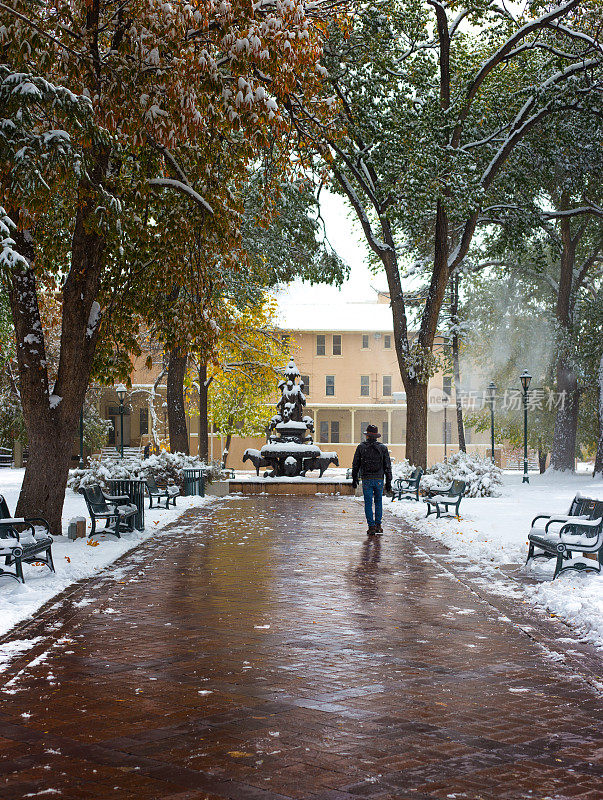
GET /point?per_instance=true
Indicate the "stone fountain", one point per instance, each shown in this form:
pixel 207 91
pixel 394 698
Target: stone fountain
pixel 290 450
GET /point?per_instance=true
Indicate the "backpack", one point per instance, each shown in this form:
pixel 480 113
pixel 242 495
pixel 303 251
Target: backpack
pixel 371 459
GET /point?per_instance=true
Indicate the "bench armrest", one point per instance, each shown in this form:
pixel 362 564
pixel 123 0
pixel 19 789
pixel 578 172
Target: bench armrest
pixel 564 519
pixel 584 525
pixel 116 498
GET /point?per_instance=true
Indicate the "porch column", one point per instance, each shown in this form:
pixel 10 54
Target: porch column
pixel 389 426
pixel 353 413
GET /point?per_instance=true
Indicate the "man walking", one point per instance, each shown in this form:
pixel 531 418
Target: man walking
pixel 372 461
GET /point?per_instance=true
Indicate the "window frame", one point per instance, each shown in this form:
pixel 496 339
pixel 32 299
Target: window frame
pixel 387 341
pixel 336 336
pixel 388 393
pixel 365 337
pixel 335 430
pixel 306 380
pixel 323 426
pixel 330 385
pixel 366 386
pixel 320 344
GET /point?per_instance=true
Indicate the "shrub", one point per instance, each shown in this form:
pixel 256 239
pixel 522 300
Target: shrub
pixel 483 478
pixel 166 467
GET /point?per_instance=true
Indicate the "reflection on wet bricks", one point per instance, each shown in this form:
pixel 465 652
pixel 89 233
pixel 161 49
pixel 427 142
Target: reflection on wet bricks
pixel 266 648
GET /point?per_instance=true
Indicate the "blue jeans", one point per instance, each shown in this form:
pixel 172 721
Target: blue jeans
pixel 373 487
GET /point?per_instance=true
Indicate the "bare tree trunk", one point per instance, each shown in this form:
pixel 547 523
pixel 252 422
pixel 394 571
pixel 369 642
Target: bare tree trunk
pixel 456 367
pixel 599 457
pixel 203 414
pixel 566 421
pixel 51 414
pixel 542 456
pixel 416 415
pixel 175 402
pixel 226 450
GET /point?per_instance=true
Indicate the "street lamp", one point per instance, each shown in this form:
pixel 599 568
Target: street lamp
pixel 121 394
pixel 445 401
pixel 525 378
pixel 491 395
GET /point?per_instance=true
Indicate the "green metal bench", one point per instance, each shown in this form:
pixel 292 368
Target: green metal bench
pixel 23 541
pixel 169 492
pixel 117 511
pixel 564 535
pixel 408 488
pixel 440 497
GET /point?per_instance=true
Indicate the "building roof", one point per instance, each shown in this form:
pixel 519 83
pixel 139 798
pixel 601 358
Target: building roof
pixel 350 316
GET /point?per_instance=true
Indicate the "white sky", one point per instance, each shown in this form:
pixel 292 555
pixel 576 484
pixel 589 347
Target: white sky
pixel 345 236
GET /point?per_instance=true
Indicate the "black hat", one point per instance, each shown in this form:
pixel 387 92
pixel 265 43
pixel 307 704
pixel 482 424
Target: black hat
pixel 372 430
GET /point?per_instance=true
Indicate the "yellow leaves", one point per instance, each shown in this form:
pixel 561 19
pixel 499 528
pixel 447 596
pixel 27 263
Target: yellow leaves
pixel 239 754
pixel 92 543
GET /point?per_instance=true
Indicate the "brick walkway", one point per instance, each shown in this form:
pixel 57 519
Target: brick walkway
pixel 269 650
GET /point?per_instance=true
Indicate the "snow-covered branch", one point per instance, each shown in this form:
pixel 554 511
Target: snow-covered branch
pixel 170 183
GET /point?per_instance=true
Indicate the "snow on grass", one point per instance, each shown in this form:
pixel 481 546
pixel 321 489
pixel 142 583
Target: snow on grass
pixel 493 531
pixel 73 560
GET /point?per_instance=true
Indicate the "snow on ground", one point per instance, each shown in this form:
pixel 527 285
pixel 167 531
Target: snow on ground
pixel 493 531
pixel 73 560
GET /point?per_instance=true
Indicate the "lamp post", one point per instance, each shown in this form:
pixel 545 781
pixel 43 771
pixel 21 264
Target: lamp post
pixel 121 394
pixel 525 378
pixel 491 395
pixel 445 401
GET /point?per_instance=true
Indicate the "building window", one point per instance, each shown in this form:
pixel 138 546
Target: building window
pixel 337 344
pixel 324 431
pixel 447 385
pixel 387 385
pixel 385 433
pixel 321 345
pixel 335 432
pixel 306 382
pixel 365 386
pixel 387 341
pixel 330 385
pixel 144 421
pixel 363 427
pixel 365 341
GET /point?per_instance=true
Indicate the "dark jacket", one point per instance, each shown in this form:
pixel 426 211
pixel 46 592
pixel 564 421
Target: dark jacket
pixel 383 471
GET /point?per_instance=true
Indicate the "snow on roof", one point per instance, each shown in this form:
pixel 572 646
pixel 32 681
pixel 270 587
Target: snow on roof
pixel 350 316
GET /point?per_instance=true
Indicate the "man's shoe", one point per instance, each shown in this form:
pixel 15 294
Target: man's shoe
pixel 372 530
pixel 378 528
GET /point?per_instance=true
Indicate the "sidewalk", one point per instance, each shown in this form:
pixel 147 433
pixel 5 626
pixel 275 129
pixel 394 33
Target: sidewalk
pixel 270 650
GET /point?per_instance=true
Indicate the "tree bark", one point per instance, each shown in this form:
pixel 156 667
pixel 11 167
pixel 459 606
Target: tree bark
pixel 565 432
pixel 416 435
pixel 175 402
pixel 599 457
pixel 456 367
pixel 542 454
pixel 51 415
pixel 203 414
pixel 226 450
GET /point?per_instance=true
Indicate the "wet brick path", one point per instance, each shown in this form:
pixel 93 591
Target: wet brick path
pixel 266 649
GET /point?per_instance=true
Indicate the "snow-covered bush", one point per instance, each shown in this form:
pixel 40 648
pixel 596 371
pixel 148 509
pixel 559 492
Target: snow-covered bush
pixel 402 469
pixel 166 467
pixel 483 478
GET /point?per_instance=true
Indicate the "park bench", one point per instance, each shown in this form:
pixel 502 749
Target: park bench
pixel 117 510
pixel 408 488
pixel 6 457
pixel 23 541
pixel 155 491
pixel 566 534
pixel 440 497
